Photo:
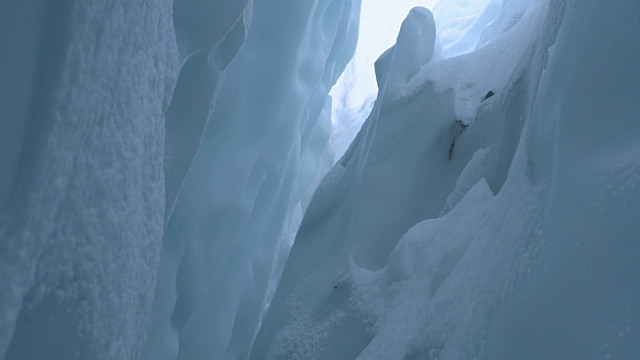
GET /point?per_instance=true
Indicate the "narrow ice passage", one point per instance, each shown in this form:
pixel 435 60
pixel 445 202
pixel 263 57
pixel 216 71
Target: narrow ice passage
pixel 172 185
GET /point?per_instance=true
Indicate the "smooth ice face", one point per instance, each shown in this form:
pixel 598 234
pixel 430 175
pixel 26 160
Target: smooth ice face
pixel 356 89
pixel 241 203
pixel 208 36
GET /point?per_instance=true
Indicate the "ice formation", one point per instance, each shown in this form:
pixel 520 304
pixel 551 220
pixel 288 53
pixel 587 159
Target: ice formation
pixel 83 184
pixel 99 141
pixel 356 89
pixel 262 153
pixel 487 208
pixel 159 157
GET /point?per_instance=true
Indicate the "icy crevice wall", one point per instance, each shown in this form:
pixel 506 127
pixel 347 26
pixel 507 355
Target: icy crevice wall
pixel 242 200
pixel 487 196
pixel 104 117
pixel 208 34
pixel 82 218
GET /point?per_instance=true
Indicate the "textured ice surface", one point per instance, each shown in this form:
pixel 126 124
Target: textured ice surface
pixel 80 244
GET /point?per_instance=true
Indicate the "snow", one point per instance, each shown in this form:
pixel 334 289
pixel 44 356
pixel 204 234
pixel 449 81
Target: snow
pixel 159 160
pixel 495 67
pixel 461 26
pixel 461 226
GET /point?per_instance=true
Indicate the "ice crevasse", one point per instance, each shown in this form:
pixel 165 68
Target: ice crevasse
pixel 159 157
pixel 111 186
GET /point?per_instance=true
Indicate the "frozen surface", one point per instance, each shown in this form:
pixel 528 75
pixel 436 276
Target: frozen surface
pixel 159 158
pixel 243 198
pixel 582 299
pixel 103 125
pixel 356 89
pixel 486 208
pixel 462 26
pixel 208 36
pixel 80 244
pixel 81 219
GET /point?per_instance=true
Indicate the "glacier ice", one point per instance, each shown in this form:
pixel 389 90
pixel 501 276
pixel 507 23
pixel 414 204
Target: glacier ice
pixel 242 199
pixel 581 300
pixel 472 190
pixel 105 125
pixel 82 217
pixel 356 89
pixel 158 159
pixel 208 35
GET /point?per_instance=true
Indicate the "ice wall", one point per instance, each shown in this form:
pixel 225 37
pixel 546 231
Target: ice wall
pixel 487 208
pixel 101 132
pixel 581 301
pixel 249 183
pixel 82 179
pixel 209 34
pixel 84 171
